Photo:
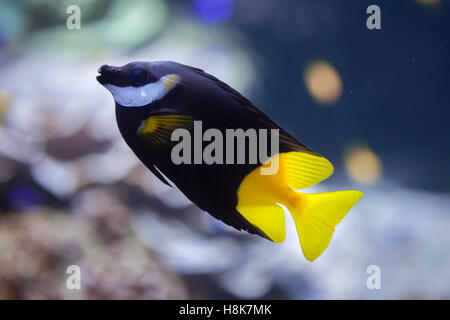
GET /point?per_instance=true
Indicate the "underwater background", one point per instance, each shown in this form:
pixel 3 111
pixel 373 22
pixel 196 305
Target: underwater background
pixel 376 103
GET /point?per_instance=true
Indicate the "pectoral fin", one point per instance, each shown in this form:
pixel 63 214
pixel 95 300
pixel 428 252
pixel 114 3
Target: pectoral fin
pixel 157 130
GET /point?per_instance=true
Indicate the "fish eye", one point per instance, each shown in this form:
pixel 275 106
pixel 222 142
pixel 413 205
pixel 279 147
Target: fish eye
pixel 137 77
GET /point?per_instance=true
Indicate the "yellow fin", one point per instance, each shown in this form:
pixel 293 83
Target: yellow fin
pixel 302 170
pixel 157 130
pixel 269 219
pixel 258 194
pixel 315 216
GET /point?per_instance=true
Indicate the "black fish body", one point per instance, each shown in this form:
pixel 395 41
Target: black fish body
pixel 155 98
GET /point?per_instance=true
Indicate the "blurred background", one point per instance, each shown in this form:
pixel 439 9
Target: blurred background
pixel 374 102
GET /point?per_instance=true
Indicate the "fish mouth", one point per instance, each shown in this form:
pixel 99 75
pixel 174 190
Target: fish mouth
pixel 112 75
pixel 101 77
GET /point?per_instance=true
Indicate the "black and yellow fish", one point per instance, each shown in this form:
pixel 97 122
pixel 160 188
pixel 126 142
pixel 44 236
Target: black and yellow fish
pixel 155 98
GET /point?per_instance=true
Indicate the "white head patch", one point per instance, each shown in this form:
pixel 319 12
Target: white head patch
pixel 141 96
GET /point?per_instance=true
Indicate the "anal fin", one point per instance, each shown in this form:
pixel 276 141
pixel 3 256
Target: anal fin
pixel 269 219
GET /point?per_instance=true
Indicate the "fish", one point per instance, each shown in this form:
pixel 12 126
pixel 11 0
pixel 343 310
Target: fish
pixel 160 101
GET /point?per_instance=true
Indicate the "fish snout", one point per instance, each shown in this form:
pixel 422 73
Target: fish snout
pixel 103 68
pixel 101 78
pixel 109 74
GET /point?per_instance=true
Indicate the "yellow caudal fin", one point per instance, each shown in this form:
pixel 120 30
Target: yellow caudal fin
pixel 315 216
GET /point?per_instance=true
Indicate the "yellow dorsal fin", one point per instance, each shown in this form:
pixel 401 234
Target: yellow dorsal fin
pixel 157 130
pixel 302 170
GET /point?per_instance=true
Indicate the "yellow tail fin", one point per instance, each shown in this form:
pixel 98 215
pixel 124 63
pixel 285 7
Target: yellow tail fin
pixel 315 216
